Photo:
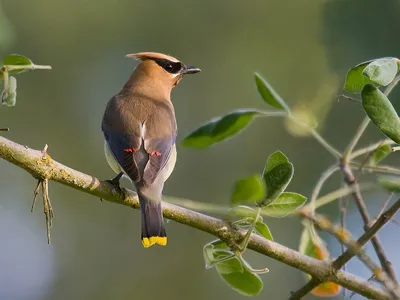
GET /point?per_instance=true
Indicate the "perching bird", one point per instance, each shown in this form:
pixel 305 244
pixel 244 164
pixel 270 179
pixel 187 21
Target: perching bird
pixel 140 129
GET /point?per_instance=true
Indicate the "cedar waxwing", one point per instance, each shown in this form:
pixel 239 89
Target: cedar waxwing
pixel 140 129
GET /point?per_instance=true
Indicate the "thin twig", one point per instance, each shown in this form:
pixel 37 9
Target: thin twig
pixel 323 178
pixel 362 208
pixel 332 196
pixel 360 131
pixel 346 97
pixel 391 86
pixel 379 169
pixel 325 144
pixel 370 148
pixel 369 234
pixel 35 193
pixel 27 67
pixel 304 290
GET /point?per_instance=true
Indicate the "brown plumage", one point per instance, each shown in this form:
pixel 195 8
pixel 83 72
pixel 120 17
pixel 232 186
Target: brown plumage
pixel 140 130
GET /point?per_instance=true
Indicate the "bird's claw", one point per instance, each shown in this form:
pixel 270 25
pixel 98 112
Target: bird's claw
pixel 115 183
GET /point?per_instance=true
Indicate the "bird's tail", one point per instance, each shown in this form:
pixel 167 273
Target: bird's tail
pixel 153 231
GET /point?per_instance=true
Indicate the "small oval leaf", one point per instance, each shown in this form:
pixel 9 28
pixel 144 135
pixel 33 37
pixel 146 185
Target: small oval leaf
pixel 229 266
pixel 287 203
pixel 220 129
pixel 379 154
pixel 381 112
pixel 390 183
pixel 263 230
pixel 216 251
pixel 243 211
pixel 276 181
pixel 244 283
pixel 9 95
pixel 208 255
pixel 250 189
pixel 17 60
pixel 274 160
pixel 355 80
pixel 268 93
pixel 382 71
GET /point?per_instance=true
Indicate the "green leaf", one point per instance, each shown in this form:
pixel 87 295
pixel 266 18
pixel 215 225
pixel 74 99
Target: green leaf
pixel 268 93
pixel 355 80
pixel 390 183
pixel 382 71
pixel 277 174
pixel 208 255
pixel 277 180
pixel 250 189
pixel 220 129
pixel 275 159
pixel 244 283
pixel 243 211
pixel 231 270
pixel 381 112
pixel 216 252
pixel 218 244
pixel 379 154
pixel 263 230
pixel 17 60
pixel 284 205
pixel 9 94
pixel 229 266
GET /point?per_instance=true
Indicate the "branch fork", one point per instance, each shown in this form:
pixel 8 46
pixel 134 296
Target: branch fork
pixel 43 184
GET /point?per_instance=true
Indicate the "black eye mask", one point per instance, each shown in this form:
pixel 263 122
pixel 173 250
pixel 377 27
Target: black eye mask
pixel 169 66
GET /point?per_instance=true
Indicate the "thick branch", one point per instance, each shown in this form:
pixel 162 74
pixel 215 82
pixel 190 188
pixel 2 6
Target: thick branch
pixel 41 166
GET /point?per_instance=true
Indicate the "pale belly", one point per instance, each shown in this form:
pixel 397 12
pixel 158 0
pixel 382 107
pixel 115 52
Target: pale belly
pixel 166 172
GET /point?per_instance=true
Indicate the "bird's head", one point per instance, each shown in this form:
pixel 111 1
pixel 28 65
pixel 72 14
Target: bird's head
pixel 163 67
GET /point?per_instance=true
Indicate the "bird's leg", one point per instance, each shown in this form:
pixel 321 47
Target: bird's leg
pixel 115 182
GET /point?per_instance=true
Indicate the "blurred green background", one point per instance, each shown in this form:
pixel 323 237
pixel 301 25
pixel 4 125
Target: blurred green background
pixel 302 47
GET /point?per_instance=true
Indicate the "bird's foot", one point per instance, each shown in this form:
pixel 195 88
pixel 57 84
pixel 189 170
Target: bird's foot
pixel 115 183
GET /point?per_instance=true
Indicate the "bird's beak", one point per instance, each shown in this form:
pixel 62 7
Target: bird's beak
pixel 190 70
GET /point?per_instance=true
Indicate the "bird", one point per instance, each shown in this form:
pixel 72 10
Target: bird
pixel 140 130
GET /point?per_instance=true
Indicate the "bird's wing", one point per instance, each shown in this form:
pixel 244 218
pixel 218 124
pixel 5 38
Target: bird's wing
pixel 121 146
pixel 123 139
pixel 159 139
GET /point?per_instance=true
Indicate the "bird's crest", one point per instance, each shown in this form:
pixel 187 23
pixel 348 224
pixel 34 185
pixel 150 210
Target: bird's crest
pixel 151 55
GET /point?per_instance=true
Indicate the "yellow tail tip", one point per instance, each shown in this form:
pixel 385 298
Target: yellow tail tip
pixel 150 241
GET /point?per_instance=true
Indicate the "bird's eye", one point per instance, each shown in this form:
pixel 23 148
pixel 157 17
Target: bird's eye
pixel 169 67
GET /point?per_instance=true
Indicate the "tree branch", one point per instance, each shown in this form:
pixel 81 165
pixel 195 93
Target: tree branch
pixel 345 238
pixel 349 254
pixel 350 180
pixel 44 167
pixel 369 234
